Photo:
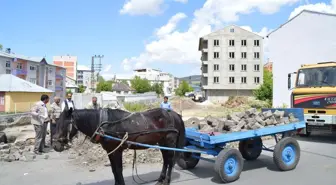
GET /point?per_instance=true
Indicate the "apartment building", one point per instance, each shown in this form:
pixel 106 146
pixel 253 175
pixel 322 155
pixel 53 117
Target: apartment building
pixel 153 75
pixel 231 63
pixel 68 62
pixel 35 70
pixel 84 76
pixel 157 76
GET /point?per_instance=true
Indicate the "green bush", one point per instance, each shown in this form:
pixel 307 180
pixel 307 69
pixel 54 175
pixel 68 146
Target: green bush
pixel 265 91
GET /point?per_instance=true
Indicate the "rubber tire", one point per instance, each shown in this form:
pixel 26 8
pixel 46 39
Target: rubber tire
pixel 186 161
pixel 277 153
pixel 222 158
pixel 247 154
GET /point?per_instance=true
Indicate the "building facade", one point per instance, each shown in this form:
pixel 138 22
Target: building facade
pixel 68 62
pixel 307 38
pixel 231 63
pixel 84 76
pixel 34 70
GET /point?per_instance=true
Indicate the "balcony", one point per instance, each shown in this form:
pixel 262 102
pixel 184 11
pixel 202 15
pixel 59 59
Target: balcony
pixel 19 72
pixel 59 77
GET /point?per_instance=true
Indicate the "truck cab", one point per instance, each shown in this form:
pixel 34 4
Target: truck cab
pixel 315 91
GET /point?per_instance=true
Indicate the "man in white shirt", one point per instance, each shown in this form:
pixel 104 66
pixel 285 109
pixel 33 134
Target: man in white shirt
pixel 68 103
pixel 40 119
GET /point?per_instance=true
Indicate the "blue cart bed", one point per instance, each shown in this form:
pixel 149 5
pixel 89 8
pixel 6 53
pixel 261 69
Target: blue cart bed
pixel 229 161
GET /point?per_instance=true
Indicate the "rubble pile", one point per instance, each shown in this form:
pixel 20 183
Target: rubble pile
pixel 242 121
pixel 92 155
pixel 19 151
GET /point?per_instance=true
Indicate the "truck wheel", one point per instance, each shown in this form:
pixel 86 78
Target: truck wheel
pixel 251 148
pixel 286 154
pixel 229 165
pixel 187 161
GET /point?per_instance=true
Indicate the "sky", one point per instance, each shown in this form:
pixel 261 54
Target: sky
pixel 161 34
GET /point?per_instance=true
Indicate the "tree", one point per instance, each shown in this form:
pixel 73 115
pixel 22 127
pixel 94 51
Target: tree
pixel 81 88
pixel 265 91
pixel 158 88
pixel 104 85
pixel 183 88
pixel 140 85
pixel 124 82
pixel 1 47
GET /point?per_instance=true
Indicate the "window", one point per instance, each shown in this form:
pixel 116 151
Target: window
pixel 231 67
pixel 50 70
pixel 243 42
pixel 8 71
pixel 32 80
pixel 216 42
pixel 8 64
pixel 256 55
pixel 243 54
pixel 19 66
pixel 32 68
pixel 256 42
pixel 231 80
pixel 216 79
pixel 243 67
pixel 216 67
pixel 231 42
pixel 243 80
pixel 231 30
pixel 231 55
pixel 216 54
pixel 256 80
pixel 256 67
pixel 50 82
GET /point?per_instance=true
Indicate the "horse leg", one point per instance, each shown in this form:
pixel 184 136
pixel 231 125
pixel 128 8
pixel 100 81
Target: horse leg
pixel 117 168
pixel 164 168
pixel 170 156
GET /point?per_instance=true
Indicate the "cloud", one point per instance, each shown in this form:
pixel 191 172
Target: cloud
pixel 143 7
pixel 171 25
pixel 176 47
pixel 181 1
pixel 319 7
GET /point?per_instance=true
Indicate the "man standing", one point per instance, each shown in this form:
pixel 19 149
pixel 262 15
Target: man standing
pixel 93 104
pixel 54 114
pixel 68 103
pixel 165 104
pixel 40 121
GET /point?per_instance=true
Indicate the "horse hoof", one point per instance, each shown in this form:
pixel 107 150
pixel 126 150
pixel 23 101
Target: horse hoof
pixel 165 182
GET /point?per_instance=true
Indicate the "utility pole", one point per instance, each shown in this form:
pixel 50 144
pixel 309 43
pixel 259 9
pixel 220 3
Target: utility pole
pixel 95 68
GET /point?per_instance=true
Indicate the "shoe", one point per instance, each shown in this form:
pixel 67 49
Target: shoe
pixel 37 153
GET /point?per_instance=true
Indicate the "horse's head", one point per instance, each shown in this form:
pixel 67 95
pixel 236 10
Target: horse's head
pixel 61 137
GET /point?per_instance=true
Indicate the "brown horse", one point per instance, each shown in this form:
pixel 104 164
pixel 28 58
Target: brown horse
pixel 156 126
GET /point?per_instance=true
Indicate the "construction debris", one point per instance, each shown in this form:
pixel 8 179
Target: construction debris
pixel 242 121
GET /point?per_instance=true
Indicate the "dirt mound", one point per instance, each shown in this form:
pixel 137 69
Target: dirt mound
pixel 182 103
pixel 243 101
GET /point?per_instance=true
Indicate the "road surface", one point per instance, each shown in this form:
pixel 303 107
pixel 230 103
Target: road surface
pixel 317 167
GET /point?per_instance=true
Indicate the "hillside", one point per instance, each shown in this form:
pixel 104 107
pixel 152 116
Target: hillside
pixel 194 79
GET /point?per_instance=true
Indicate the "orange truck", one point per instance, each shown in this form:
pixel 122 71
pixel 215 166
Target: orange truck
pixel 315 91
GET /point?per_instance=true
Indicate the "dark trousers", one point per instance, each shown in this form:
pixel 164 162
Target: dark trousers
pixel 40 135
pixel 52 131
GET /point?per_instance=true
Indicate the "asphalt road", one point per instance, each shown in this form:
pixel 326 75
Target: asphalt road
pixel 316 167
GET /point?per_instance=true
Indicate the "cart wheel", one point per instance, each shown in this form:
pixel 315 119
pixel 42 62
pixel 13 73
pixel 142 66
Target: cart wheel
pixel 286 154
pixel 229 164
pixel 187 161
pixel 251 148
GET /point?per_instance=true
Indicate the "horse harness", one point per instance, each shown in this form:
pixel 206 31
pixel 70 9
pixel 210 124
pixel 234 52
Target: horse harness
pixel 96 137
